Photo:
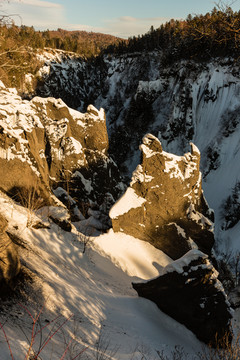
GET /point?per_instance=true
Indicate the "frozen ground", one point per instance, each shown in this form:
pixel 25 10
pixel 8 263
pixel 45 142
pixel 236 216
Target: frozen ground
pixel 92 291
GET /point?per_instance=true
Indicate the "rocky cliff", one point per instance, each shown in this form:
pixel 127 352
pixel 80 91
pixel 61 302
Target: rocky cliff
pixel 164 203
pixel 45 145
pixel 189 291
pixel 188 101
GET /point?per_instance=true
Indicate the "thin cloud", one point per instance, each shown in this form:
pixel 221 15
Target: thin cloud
pixel 37 13
pixel 140 20
pixel 83 27
pixel 127 19
pixel 40 3
pixel 126 26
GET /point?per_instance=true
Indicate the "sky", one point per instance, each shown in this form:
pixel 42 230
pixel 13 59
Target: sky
pixel 123 18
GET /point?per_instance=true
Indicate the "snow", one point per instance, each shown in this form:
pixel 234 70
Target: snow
pixel 179 264
pixel 147 151
pixel 95 287
pixel 130 200
pixel 150 86
pixel 171 165
pixel 74 146
pixel 199 218
pixel 179 230
pixel 56 129
pixel 56 212
pixel 135 257
pixel 78 117
pixel 140 176
pixel 87 183
pixel 97 115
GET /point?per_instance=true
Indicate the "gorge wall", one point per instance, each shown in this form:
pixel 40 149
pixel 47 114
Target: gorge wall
pixel 182 103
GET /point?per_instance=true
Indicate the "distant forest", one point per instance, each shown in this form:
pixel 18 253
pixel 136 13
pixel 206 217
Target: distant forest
pixel 215 34
pixel 84 43
pixel 19 44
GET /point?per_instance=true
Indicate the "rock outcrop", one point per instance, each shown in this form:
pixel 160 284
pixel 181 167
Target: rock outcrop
pixel 188 290
pixel 164 204
pixel 54 145
pixel 9 260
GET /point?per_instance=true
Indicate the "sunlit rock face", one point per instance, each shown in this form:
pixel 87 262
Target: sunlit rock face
pixel 164 204
pixel 9 259
pixel 44 144
pixel 189 291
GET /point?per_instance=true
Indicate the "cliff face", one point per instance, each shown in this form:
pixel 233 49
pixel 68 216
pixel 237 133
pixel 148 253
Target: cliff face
pixel 44 144
pixel 164 203
pixel 186 102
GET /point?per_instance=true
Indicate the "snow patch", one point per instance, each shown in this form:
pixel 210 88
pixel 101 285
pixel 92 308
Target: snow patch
pixel 130 200
pixel 139 176
pixel 185 260
pixel 180 230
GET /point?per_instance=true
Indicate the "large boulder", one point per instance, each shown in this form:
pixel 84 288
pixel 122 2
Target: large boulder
pixel 164 204
pixel 9 260
pixel 188 290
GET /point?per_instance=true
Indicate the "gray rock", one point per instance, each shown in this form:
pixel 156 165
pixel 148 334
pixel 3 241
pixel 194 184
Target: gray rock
pixel 189 291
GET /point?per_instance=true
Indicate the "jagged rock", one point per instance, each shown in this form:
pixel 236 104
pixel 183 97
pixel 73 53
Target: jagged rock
pixel 188 290
pixel 54 145
pixel 9 260
pixel 70 203
pixel 164 203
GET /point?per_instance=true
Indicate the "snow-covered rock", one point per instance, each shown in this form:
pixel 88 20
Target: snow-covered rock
pixel 43 144
pixel 189 291
pixel 88 295
pixel 164 203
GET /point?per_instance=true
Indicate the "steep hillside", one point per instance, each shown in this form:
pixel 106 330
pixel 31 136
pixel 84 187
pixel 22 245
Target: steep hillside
pixel 19 45
pixel 86 298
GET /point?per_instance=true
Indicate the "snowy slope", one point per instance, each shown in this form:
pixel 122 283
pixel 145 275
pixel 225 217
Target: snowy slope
pixel 95 287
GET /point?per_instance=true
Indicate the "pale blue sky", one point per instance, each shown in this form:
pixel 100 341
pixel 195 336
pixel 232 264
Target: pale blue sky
pixel 122 18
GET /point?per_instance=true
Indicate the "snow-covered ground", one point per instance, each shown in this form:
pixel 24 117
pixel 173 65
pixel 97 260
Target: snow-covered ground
pixel 92 290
